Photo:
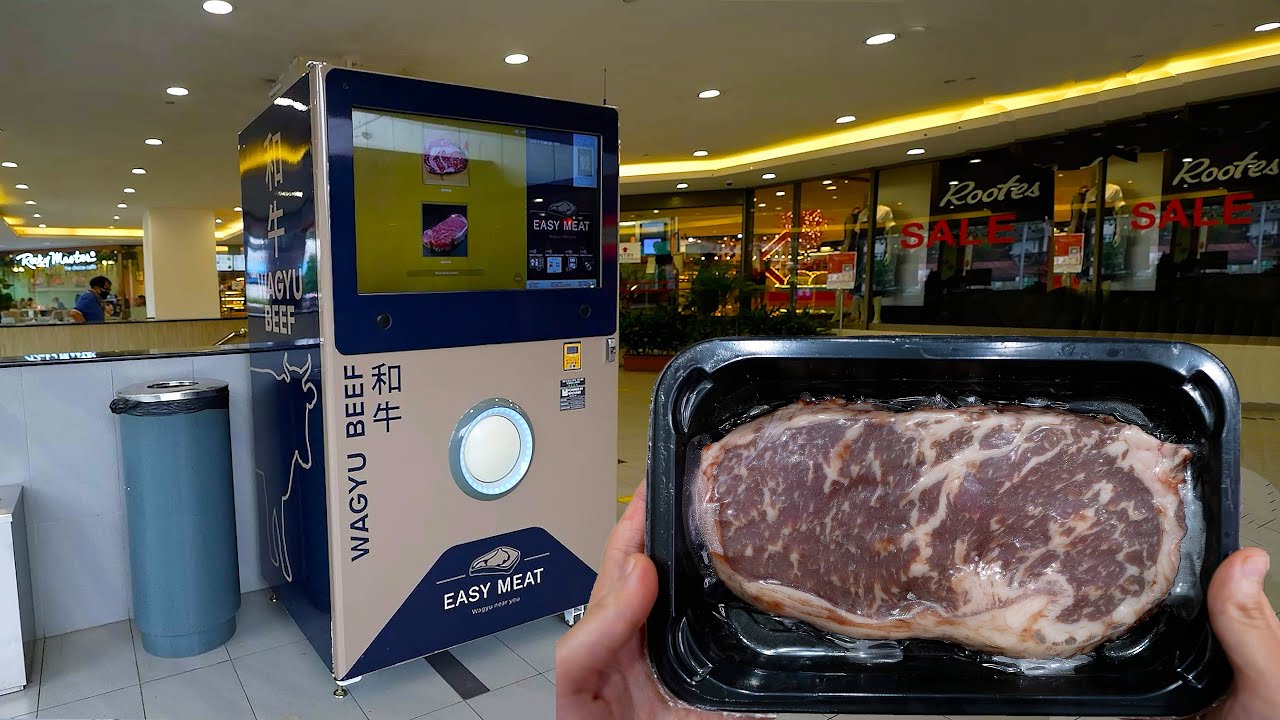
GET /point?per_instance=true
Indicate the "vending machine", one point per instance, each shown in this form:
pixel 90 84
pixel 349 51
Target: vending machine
pixel 434 269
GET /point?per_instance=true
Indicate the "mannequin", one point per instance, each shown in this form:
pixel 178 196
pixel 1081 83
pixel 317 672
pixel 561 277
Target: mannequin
pixel 856 231
pixel 1113 239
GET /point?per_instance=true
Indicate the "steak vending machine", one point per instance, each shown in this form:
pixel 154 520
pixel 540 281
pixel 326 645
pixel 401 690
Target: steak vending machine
pixel 435 269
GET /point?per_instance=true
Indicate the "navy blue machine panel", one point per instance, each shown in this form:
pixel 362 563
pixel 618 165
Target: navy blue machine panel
pixel 386 322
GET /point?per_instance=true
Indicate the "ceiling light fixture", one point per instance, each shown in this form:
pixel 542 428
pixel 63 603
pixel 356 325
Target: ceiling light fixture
pixel 655 212
pixel 218 220
pixel 115 217
pixel 43 225
pixel 780 193
pixel 845 119
pixel 36 215
pixel 153 141
pixel 23 186
pixel 708 94
pixel 954 182
pixel 237 209
pixel 31 202
pixel 177 91
pixel 768 176
pixel 700 153
pixel 681 186
pixel 916 151
pixel 763 204
pixel 516 59
pixel 8 163
pixel 121 205
pixel 1187 159
pixel 975 161
pixel 138 171
pixel 1267 27
pixel 827 182
pixel 881 39
pixel 129 190
pixel 218 7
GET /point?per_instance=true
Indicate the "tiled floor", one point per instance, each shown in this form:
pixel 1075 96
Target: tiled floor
pixel 268 671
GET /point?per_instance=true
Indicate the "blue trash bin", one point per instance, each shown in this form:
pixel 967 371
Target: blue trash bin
pixel 175 441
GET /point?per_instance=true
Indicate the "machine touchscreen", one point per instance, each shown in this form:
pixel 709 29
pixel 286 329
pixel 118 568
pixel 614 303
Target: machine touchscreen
pixel 446 205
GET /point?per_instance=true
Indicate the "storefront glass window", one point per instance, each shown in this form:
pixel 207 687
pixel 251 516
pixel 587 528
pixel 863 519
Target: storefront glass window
pixel 834 223
pixel 901 258
pixel 43 284
pixel 661 250
pixel 772 245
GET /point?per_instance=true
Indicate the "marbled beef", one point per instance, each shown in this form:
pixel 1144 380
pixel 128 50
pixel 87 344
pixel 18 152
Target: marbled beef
pixel 1024 532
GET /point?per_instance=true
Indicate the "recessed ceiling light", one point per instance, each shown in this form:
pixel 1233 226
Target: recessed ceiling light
pixel 115 217
pixel 8 163
pixel 916 151
pixel 768 176
pixel 954 182
pixel 516 59
pixel 129 190
pixel 700 153
pixel 218 7
pixel 43 225
pixel 121 205
pixel 763 204
pixel 845 119
pixel 1267 27
pixel 113 227
pixel 138 171
pixel 780 193
pixel 827 182
pixel 708 94
pixel 1187 159
pixel 23 186
pixel 218 220
pixel 881 39
pixel 31 202
pixel 153 141
pixel 177 91
pixel 681 186
pixel 655 212
pixel 237 209
pixel 36 215
pixel 976 160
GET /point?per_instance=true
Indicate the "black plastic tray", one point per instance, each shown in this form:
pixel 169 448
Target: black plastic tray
pixel 713 651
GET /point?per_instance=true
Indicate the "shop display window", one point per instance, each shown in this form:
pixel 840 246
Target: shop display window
pixel 661 250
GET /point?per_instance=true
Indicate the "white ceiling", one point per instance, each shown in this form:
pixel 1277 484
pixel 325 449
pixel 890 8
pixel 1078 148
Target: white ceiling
pixel 82 81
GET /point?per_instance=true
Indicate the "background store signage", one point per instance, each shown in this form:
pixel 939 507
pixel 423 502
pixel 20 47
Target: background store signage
pixel 1068 253
pixel 75 260
pixel 1250 163
pixel 993 186
pixel 629 252
pixel 842 270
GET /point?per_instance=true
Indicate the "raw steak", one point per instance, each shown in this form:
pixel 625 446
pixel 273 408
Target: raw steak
pixel 445 234
pixel 444 157
pixel 1018 531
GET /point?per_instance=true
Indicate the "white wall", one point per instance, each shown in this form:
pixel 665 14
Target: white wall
pixel 58 438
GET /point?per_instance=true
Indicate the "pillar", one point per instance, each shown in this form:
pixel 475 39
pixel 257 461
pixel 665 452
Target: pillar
pixel 179 259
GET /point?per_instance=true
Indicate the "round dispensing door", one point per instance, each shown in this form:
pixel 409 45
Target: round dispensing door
pixel 491 449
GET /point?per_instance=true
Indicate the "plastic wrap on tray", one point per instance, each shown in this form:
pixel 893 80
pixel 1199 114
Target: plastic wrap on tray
pixel 1030 535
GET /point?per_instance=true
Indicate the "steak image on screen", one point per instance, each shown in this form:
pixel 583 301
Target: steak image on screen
pixel 444 230
pixel 1032 533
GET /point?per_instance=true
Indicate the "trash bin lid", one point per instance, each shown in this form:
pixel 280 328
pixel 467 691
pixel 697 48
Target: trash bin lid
pixel 170 390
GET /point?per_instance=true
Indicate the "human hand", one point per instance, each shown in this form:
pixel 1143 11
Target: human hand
pixel 1246 625
pixel 602 672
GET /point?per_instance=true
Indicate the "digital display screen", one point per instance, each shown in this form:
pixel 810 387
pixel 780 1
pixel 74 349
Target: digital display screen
pixel 445 205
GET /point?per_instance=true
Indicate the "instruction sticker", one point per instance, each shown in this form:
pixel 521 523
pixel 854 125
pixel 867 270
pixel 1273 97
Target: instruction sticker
pixel 573 394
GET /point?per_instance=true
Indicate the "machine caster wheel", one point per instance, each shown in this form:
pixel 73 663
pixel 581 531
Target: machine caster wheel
pixel 273 597
pixel 339 692
pixel 573 615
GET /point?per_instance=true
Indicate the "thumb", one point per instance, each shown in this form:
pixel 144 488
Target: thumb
pixel 1245 622
pixel 611 621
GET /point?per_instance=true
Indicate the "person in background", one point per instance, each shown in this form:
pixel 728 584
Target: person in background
pixel 58 304
pixel 602 672
pixel 89 305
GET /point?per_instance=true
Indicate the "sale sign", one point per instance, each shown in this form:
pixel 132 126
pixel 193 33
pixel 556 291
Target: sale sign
pixel 1068 253
pixel 842 270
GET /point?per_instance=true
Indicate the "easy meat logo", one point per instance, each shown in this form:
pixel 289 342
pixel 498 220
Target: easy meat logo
pixel 485 595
